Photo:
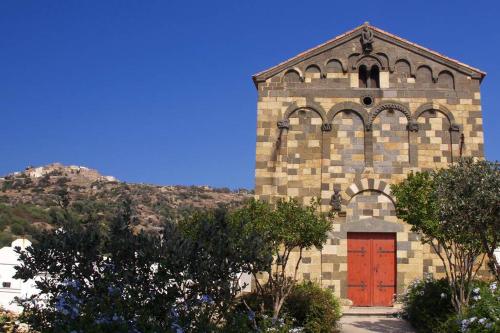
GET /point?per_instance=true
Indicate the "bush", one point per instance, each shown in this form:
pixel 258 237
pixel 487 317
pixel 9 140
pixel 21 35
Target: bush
pixel 17 229
pixel 6 238
pixel 483 314
pixel 427 304
pixel 309 308
pixel 315 309
pixel 249 322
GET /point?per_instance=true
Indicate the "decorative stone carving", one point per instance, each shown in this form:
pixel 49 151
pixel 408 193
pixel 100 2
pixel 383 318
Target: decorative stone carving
pixel 336 201
pixel 283 124
pixel 326 127
pixel 412 126
pixel 388 106
pixel 367 39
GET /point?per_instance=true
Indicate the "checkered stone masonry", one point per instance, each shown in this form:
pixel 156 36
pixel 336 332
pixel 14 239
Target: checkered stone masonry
pixel 347 151
pixel 370 204
pixel 315 135
pixel 303 155
pixel 434 140
pixel 390 146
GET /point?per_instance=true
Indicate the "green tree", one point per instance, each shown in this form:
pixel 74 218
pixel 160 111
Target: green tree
pixel 97 277
pixel 209 254
pixel 278 232
pixel 440 206
pixel 469 193
pixel 91 280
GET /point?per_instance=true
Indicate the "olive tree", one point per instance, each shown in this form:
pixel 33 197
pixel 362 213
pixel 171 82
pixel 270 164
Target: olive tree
pixel 469 193
pixel 280 230
pixel 456 213
pixel 94 276
pixel 91 277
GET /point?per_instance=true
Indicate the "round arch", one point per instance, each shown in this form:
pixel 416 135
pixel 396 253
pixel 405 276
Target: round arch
pixel 350 106
pixel 389 105
pixel 368 60
pixel 316 66
pixel 342 64
pixel 367 184
pixel 413 69
pixel 309 105
pixel 439 108
pixel 293 69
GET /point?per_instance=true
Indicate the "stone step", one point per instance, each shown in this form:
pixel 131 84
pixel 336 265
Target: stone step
pixel 379 311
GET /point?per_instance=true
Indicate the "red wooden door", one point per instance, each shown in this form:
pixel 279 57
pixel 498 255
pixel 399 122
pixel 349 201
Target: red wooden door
pixel 371 268
pixel 358 273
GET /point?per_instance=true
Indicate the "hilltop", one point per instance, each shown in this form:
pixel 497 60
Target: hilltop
pixel 29 197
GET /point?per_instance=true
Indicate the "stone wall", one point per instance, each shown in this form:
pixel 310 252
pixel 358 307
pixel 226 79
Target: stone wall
pixel 317 132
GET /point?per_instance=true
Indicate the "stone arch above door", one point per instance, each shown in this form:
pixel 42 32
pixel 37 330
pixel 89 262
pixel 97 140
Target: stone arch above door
pixel 367 184
pixel 371 204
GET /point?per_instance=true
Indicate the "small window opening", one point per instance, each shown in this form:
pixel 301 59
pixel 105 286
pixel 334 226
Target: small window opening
pixel 367 100
pixel 5 284
pixel 374 77
pixel 363 77
pixel 369 78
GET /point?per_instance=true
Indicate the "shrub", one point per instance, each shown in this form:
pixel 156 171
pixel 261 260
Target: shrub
pixel 308 309
pixel 17 228
pixel 483 313
pixel 249 322
pixel 6 238
pixel 427 304
pixel 315 309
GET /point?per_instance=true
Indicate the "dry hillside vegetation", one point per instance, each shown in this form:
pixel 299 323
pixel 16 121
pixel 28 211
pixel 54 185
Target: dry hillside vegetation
pixel 29 198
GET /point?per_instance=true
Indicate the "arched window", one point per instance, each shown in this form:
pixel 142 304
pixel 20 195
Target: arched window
pixel 374 77
pixel 363 77
pixel 369 78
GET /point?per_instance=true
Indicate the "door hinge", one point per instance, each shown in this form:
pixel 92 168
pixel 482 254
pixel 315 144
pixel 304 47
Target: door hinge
pixel 362 251
pixel 362 285
pixel 381 250
pixel 380 285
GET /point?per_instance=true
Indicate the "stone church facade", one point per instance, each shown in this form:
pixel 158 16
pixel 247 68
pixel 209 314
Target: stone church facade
pixel 344 120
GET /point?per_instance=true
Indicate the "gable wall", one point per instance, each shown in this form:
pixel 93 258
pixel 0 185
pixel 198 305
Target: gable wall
pixel 327 139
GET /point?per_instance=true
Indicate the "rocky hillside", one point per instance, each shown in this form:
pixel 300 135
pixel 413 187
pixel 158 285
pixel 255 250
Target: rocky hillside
pixel 28 198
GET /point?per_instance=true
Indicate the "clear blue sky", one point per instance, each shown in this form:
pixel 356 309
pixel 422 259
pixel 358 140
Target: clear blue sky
pixel 161 91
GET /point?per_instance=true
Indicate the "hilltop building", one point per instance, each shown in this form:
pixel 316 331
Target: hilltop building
pixel 344 120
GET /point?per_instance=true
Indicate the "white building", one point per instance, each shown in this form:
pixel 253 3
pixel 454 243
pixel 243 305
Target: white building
pixel 10 287
pixel 245 283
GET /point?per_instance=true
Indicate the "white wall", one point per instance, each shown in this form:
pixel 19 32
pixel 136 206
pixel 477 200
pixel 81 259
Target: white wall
pixel 17 288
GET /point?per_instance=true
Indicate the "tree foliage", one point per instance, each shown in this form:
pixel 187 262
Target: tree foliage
pixel 456 212
pixel 286 228
pixel 96 276
pixel 89 279
pixel 469 194
pixel 97 279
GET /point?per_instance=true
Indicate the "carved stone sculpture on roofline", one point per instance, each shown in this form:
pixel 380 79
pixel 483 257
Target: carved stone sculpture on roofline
pixel 367 39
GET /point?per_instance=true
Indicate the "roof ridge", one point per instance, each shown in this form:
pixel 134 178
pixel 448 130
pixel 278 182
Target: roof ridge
pixel 427 49
pixel 312 49
pixel 383 32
